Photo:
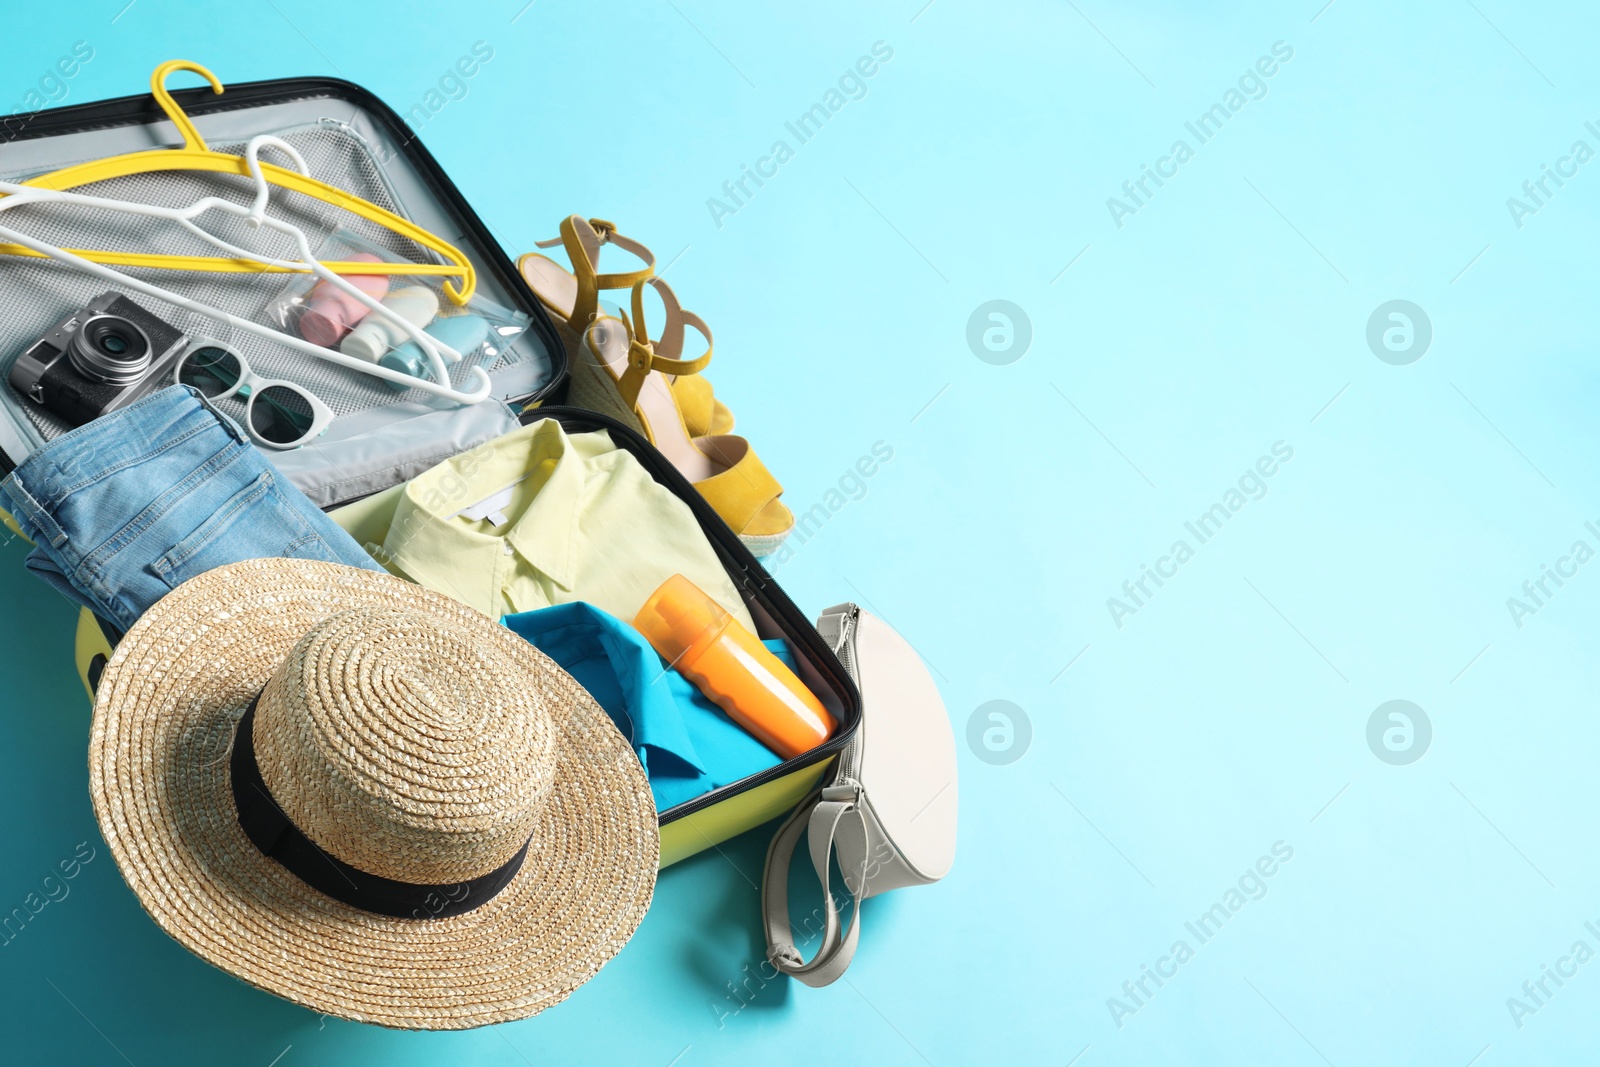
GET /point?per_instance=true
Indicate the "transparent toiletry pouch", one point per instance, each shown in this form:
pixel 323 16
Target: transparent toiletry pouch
pixel 482 332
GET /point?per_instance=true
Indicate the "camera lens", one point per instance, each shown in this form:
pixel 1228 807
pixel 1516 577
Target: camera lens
pixel 110 349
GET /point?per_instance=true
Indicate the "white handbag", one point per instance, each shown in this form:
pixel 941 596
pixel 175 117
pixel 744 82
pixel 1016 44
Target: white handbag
pixel 889 808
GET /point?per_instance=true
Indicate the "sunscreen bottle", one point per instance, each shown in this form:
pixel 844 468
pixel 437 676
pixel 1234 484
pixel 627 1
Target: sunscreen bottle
pixel 703 642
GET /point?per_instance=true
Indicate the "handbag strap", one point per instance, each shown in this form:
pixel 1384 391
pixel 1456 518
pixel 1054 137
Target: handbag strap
pixel 822 815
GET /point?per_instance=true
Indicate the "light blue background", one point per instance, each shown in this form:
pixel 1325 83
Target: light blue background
pixel 1229 313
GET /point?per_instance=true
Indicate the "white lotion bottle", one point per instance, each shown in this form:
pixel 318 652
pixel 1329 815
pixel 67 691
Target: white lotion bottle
pixel 375 335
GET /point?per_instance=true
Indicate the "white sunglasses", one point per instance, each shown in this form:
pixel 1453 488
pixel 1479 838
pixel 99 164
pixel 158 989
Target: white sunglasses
pixel 278 414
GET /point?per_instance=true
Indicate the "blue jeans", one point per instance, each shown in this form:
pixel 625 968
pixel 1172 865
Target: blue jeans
pixel 125 508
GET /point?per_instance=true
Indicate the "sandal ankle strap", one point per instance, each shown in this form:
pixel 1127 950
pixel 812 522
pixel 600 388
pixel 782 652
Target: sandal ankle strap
pixel 582 240
pixel 662 354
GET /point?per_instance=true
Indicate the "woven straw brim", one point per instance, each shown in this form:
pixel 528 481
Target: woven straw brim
pixel 159 777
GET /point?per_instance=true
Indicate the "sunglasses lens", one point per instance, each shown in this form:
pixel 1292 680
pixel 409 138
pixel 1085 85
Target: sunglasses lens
pixel 211 370
pixel 281 415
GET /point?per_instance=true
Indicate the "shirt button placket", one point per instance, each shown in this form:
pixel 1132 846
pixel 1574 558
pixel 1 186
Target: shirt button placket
pixel 505 576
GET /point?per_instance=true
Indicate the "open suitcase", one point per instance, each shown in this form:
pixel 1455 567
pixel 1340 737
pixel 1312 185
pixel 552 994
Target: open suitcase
pixel 379 440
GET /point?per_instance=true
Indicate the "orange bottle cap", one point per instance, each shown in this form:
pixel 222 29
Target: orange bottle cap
pixel 680 620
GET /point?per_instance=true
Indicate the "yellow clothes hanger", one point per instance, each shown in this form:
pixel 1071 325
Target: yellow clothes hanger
pixel 194 155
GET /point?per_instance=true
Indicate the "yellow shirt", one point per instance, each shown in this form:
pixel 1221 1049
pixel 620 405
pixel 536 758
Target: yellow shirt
pixel 540 517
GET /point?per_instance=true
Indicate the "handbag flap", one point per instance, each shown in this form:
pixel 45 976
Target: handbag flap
pixel 908 750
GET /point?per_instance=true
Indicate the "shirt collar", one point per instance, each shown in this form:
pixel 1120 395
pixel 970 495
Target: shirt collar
pixel 546 533
pixel 576 632
pixel 457 555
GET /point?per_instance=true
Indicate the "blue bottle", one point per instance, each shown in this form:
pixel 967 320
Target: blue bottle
pixel 464 333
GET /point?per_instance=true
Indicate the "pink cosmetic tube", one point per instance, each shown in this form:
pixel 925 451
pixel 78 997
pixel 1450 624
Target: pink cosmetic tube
pixel 331 312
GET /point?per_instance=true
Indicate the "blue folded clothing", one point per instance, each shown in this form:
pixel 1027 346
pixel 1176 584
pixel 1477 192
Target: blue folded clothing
pixel 687 744
pixel 125 508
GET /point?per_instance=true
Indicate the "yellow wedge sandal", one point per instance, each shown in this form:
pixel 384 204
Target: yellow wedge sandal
pixel 703 414
pixel 573 299
pixel 623 373
pixel 573 296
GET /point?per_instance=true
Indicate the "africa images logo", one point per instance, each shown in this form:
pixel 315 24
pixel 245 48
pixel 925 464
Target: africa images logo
pixel 1252 85
pixel 1537 192
pixel 1252 884
pixel 851 85
pixel 1537 592
pixel 1252 485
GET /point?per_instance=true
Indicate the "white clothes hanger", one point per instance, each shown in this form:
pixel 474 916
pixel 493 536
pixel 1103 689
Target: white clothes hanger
pixel 437 353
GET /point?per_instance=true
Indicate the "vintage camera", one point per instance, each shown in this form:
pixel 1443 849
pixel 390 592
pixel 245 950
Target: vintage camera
pixel 98 359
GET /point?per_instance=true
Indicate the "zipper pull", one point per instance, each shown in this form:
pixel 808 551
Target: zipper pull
pixel 845 627
pixel 842 791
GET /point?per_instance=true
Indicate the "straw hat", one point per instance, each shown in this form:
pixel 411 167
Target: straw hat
pixel 403 755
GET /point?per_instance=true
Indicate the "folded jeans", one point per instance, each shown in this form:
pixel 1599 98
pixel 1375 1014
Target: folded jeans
pixel 125 508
